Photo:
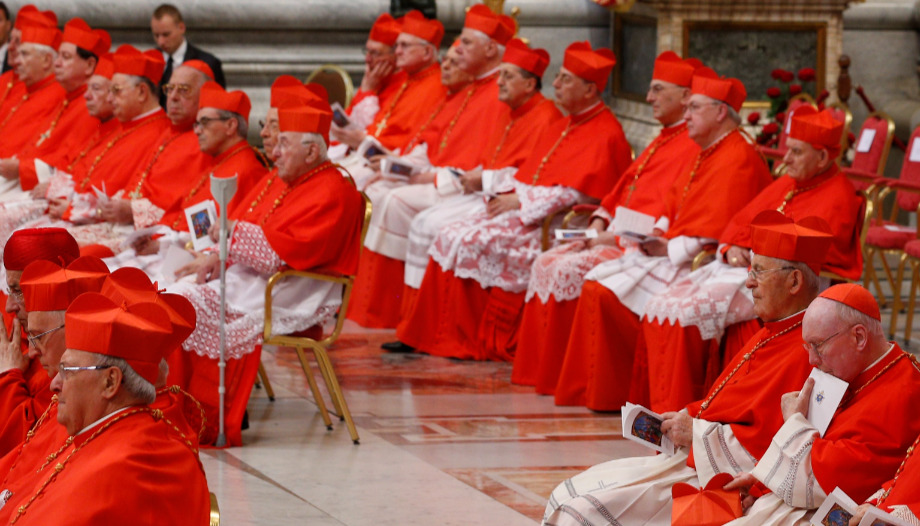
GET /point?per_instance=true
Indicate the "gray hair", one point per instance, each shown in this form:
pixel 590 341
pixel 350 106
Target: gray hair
pixel 317 139
pixel 39 48
pixel 850 316
pixel 732 114
pixel 139 79
pixel 242 125
pixel 811 282
pixel 422 42
pixel 134 384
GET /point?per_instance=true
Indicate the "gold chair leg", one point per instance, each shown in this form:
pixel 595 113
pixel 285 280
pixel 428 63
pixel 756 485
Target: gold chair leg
pixel 335 390
pixel 890 276
pixel 318 396
pixel 872 276
pixel 898 304
pixel 915 277
pixel 265 383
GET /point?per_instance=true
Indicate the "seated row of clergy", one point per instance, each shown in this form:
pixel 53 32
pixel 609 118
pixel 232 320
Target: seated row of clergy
pixel 752 423
pixel 113 442
pixel 137 163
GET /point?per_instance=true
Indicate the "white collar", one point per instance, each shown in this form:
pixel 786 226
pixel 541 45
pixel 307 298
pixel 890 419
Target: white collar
pixel 178 55
pixel 149 113
pixel 101 420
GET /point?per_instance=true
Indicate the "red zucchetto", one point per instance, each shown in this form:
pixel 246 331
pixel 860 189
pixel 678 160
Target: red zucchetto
pixel 34 244
pixel 854 296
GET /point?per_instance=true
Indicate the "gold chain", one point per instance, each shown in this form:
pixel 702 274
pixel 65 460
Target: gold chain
pixel 796 191
pixel 204 178
pixel 136 194
pixel 92 168
pixel 453 122
pixel 261 196
pixel 571 126
pixel 291 187
pixel 747 357
pixel 47 133
pixel 418 135
pixel 699 159
pixel 641 167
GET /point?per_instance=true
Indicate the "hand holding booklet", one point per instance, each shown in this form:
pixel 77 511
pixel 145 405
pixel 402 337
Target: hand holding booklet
pixel 877 517
pixel 825 397
pixel 837 509
pixel 643 425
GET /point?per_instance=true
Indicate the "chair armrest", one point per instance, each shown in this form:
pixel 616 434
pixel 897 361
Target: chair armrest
pixel 547 223
pixel 214 516
pixel 578 211
pixel 705 256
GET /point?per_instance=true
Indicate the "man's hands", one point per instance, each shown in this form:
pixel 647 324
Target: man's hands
pixel 352 138
pixel 57 206
pixel 146 245
pixel 502 203
pixel 738 257
pixel 678 427
pixel 423 178
pixel 743 481
pixel 656 246
pixel 39 191
pixel 214 230
pixel 860 513
pixel 471 180
pixel 797 401
pixel 11 356
pixel 117 211
pixel 9 168
pixel 374 75
pixel 205 266
pixel 603 237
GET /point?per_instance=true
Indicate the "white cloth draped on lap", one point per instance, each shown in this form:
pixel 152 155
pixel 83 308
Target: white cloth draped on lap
pixel 15 214
pixel 560 272
pixel 710 298
pixel 426 225
pixel 388 232
pixel 499 251
pixel 362 114
pixel 631 491
pixel 10 190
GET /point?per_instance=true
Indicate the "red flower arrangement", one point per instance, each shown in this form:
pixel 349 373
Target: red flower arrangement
pixel 807 75
pixel 779 100
pixel 795 89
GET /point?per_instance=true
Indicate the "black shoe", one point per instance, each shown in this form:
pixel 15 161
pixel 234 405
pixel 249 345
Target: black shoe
pixel 396 346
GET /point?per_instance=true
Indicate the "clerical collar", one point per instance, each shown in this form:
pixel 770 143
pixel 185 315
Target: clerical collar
pixel 101 420
pixel 680 122
pixel 488 73
pixel 145 115
pixel 880 358
pixel 817 179
pixel 719 139
pixel 786 318
pixel 528 105
pixel 588 109
pixel 178 56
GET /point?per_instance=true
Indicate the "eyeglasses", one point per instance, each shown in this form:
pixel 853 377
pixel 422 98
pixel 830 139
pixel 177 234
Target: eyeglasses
pixel 33 340
pixel 374 53
pixel 755 274
pixel 696 107
pixel 404 45
pixel 204 121
pixel 816 347
pixel 184 90
pixel 115 89
pixel 66 370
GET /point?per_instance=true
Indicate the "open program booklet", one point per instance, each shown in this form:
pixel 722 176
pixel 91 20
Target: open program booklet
pixel 643 425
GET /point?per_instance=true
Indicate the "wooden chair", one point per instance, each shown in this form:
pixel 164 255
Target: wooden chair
pixel 319 347
pixel 214 518
pixel 337 82
pixel 777 153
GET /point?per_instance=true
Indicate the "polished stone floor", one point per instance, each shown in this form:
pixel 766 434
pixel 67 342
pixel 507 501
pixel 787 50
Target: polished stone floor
pixel 443 442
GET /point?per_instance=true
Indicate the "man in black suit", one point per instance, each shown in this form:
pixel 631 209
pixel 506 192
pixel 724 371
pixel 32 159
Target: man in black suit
pixel 6 25
pixel 169 33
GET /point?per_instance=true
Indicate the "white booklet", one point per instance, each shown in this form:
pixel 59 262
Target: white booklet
pixel 877 517
pixel 371 147
pixel 825 397
pixel 643 425
pixel 200 217
pixel 340 117
pixel 837 509
pixel 630 221
pixel 176 258
pixel 568 234
pixel 44 171
pixel 395 168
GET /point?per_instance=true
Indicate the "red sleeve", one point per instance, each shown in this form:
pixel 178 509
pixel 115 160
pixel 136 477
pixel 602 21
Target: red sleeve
pixel 24 396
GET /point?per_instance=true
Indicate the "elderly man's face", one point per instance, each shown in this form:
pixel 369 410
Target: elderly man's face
pixel 212 130
pixel 513 88
pixel 411 53
pixel 269 133
pixel 701 115
pixel 97 97
pixel 376 53
pixel 14 302
pixel 182 96
pixel 167 33
pixel 81 399
pixel 291 155
pixel 126 97
pixel 571 90
pixel 47 341
pixel 71 70
pixel 451 75
pixel 667 101
pixel 33 65
pixel 769 287
pixel 803 160
pixel 831 343
pixel 472 52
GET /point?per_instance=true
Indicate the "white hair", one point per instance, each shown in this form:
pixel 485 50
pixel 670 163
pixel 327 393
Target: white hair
pixel 134 384
pixel 316 139
pixel 39 48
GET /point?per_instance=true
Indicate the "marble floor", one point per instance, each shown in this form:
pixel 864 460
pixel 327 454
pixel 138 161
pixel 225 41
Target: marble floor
pixel 442 442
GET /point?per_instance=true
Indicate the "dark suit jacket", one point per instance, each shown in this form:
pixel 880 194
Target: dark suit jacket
pixel 196 53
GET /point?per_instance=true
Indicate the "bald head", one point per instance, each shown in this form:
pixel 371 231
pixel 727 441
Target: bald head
pixel 841 340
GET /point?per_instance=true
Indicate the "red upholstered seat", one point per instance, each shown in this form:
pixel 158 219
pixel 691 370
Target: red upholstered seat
pixel 884 238
pixel 912 248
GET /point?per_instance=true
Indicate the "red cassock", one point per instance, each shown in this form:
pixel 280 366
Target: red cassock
pixel 405 105
pixel 67 128
pixel 324 213
pixel 904 489
pixel 598 367
pixel 115 160
pixel 67 157
pixel 460 318
pixel 131 449
pixel 544 328
pixel 10 89
pixel 24 396
pixel 379 291
pixel 679 355
pixel 177 152
pixel 749 401
pixel 388 88
pixel 460 138
pixel 22 124
pixel 239 159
